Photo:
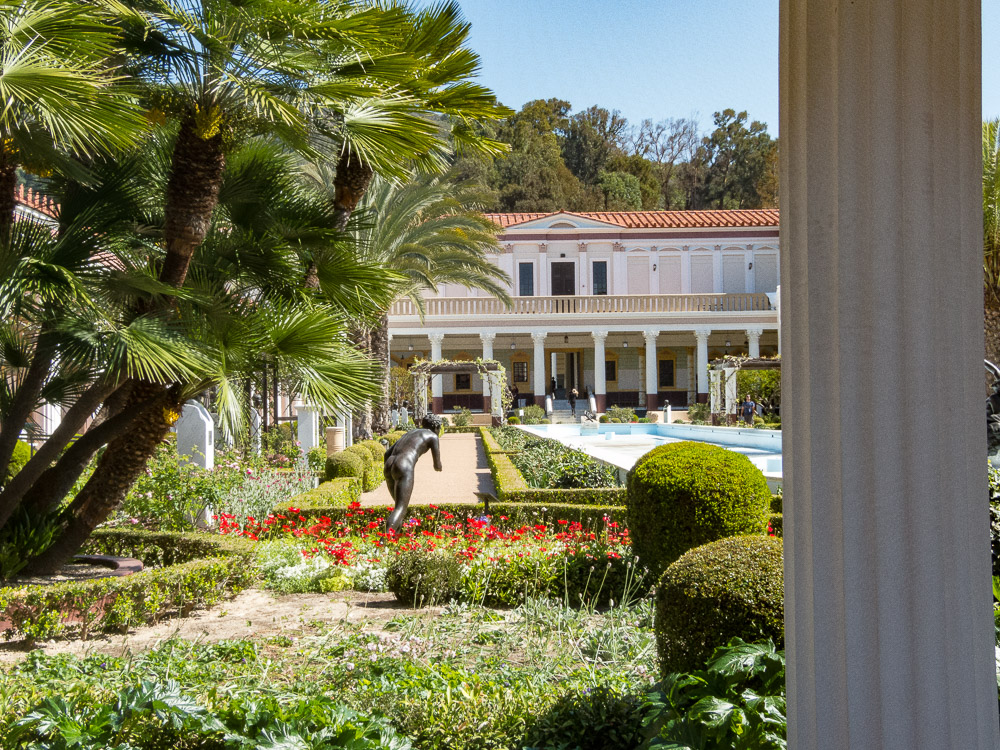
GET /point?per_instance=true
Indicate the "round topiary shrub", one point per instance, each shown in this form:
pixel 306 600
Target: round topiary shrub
pixel 375 449
pixel 733 587
pixel 392 437
pixel 686 494
pixel 373 474
pixel 424 578
pixel 345 464
pixel 513 420
pixel 21 456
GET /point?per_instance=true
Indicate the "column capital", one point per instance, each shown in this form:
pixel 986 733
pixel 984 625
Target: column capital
pixel 650 335
pixel 508 247
pixel 754 333
pixel 702 333
pixel 487 337
pixel 543 246
pixel 539 336
pixel 599 336
pixel 617 246
pixel 581 247
pixel 436 338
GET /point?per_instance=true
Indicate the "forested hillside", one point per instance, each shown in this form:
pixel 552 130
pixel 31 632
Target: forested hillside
pixel 595 160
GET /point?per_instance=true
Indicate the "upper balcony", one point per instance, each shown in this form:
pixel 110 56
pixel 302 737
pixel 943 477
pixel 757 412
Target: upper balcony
pixel 610 304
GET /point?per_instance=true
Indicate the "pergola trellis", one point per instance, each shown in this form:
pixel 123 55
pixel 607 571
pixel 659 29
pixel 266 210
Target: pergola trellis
pixel 722 380
pixel 490 370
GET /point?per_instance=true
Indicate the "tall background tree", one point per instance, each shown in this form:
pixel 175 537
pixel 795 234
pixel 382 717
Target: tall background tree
pixel 991 237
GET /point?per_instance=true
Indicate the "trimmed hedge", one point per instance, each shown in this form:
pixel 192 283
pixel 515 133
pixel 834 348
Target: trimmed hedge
pixel 375 449
pixel 777 502
pixel 34 613
pixel 686 494
pixel 503 515
pixel 776 524
pixel 373 469
pixel 343 464
pixel 463 429
pixel 511 487
pixel 332 495
pixel 731 588
pixel 393 436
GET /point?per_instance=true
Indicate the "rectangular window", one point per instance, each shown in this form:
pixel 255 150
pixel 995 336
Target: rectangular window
pixel 520 372
pixel 666 373
pixel 600 282
pixel 463 381
pixel 526 279
pixel 610 370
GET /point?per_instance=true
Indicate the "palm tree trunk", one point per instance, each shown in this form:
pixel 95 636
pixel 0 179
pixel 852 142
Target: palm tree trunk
pixel 55 483
pixel 119 467
pixel 25 399
pixel 380 352
pixel 350 183
pixel 72 422
pixel 192 194
pixel 360 336
pixel 991 315
pixel 8 192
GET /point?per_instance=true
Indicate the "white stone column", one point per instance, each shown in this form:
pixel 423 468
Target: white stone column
pixel 437 386
pixel 701 366
pixel 652 381
pixel 600 384
pixel 308 424
pixel 753 337
pixel 487 338
pixel 888 614
pixel 538 366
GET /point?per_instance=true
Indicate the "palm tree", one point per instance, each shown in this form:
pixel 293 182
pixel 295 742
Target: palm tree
pixel 991 237
pixel 242 304
pixel 61 99
pixel 430 232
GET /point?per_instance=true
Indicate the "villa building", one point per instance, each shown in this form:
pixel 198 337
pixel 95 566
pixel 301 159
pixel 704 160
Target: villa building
pixel 628 306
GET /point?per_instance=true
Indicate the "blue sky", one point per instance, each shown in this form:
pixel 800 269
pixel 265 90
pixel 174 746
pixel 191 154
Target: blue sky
pixel 651 58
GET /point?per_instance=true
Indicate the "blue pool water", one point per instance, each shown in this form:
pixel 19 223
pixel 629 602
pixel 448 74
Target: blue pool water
pixel 622 445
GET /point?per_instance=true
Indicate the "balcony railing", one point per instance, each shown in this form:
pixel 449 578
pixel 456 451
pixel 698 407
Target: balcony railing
pixel 589 305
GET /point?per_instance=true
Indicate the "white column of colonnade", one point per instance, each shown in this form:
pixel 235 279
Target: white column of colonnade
pixel 600 384
pixel 888 615
pixel 652 382
pixel 701 365
pixel 487 338
pixel 753 340
pixel 437 385
pixel 538 366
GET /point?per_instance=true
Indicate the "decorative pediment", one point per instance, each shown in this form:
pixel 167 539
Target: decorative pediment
pixel 563 220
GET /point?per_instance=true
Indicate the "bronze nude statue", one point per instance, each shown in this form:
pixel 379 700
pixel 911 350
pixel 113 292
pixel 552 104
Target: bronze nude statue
pixel 400 462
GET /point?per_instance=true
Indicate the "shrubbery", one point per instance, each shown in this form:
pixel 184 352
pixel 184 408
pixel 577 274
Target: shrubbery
pixel 621 413
pixel 547 464
pixel 593 719
pixel 682 495
pixel 422 579
pixel 731 588
pixel 513 420
pixel 21 456
pixel 346 464
pixel 534 414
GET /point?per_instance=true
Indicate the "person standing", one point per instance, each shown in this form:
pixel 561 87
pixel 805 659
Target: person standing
pixel 747 409
pixel 572 400
pixel 515 396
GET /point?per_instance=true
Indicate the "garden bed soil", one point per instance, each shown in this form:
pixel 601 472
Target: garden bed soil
pixel 253 614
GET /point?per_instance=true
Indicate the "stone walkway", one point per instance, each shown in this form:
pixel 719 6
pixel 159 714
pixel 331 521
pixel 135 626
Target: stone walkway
pixel 464 473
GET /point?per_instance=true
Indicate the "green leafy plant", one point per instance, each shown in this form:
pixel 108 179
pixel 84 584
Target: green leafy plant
pixel 589 719
pixel 21 456
pixel 423 579
pixel 685 494
pixel 344 464
pixel 316 459
pixel 733 587
pixel 737 701
pixel 534 414
pixel 513 420
pixel 462 417
pixel 699 413
pixel 622 414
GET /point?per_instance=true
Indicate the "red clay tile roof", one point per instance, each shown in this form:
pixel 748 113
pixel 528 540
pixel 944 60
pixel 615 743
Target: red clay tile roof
pixel 764 217
pixel 29 198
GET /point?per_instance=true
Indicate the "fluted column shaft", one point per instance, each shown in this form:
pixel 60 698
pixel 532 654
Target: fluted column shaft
pixel 600 383
pixel 652 381
pixel 888 623
pixel 437 386
pixel 538 365
pixel 701 336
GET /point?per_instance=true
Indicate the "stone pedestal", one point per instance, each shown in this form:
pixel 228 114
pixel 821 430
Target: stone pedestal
pixel 196 436
pixel 255 431
pixel 888 613
pixel 334 440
